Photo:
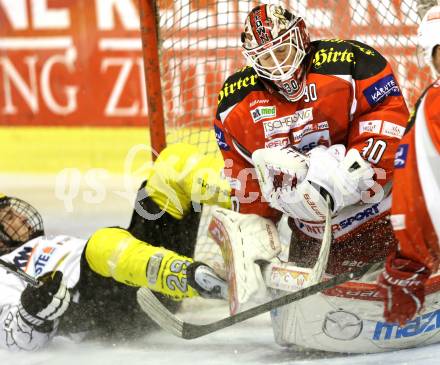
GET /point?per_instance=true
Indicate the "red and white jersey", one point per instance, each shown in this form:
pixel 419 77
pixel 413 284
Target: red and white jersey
pixel 36 257
pixel 416 192
pixel 352 98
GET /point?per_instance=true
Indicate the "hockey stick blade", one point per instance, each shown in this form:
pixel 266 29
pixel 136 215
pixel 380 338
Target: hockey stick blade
pixel 171 323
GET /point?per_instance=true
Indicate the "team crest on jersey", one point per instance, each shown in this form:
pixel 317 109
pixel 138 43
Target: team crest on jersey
pixel 381 89
pixel 263 112
pixel 401 155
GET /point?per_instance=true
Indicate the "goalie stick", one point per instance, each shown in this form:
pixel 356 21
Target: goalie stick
pixel 171 323
pixel 279 275
pixel 168 321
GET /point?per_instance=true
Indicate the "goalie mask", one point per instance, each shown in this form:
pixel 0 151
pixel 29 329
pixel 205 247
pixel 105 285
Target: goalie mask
pixel 428 38
pixel 275 43
pixel 19 223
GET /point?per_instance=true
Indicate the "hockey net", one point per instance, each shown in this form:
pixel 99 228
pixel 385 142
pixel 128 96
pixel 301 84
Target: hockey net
pixel 200 46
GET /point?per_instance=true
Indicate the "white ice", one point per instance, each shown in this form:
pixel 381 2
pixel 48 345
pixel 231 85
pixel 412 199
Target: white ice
pixel 250 342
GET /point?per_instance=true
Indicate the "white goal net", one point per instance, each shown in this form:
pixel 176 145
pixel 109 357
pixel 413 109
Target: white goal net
pixel 200 47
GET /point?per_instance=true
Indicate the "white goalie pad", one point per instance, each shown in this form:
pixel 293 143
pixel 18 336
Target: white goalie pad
pixel 245 240
pixel 349 318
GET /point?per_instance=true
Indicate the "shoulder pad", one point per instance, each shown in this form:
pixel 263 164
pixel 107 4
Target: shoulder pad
pixel 346 57
pixel 237 87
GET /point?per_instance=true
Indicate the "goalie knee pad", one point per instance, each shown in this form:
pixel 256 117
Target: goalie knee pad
pixel 244 240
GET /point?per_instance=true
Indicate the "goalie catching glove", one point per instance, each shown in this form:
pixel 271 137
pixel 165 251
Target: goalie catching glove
pixel 298 184
pixel 41 306
pixel 402 285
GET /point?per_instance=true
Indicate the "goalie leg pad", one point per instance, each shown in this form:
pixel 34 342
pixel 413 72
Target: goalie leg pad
pixel 244 240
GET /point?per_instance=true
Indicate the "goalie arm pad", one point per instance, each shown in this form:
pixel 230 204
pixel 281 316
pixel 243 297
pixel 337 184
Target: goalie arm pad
pixel 181 175
pixel 244 240
pixel 115 253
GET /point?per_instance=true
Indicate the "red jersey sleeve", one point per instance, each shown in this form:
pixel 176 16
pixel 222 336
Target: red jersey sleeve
pixel 379 120
pixel 414 215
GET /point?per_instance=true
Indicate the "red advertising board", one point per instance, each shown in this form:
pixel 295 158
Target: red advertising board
pixel 79 62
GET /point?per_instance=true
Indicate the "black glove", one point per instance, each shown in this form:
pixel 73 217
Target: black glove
pixel 207 283
pixel 41 305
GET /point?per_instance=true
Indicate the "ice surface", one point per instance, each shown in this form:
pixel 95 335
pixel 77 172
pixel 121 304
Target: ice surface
pixel 250 342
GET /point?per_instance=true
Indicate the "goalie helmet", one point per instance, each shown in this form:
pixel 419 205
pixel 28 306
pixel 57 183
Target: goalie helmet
pixel 19 223
pixel 428 37
pixel 275 43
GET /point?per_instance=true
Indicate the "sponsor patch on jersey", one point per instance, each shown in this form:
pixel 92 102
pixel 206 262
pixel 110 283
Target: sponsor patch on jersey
pixel 263 112
pixel 230 89
pixel 309 128
pixel 258 101
pixel 220 137
pixel 43 259
pixel 401 156
pixel 340 226
pixel 314 139
pixel 277 142
pixel 22 257
pixel 393 130
pixel 330 55
pixel 285 124
pixel 370 126
pixel 398 221
pixel 381 89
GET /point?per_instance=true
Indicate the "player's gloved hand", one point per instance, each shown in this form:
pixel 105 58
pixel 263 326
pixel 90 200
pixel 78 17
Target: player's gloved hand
pixel 279 171
pixel 402 285
pixel 343 176
pixel 330 174
pixel 207 283
pixel 40 306
pixel 181 175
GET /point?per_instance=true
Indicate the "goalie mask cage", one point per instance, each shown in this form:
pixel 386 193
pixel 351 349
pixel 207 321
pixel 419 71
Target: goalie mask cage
pixel 198 46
